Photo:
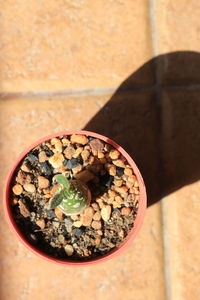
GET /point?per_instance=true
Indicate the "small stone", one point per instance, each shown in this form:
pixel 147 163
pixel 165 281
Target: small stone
pixel 85 154
pixel 77 224
pixel 42 156
pixel 87 216
pixel 54 189
pixel 25 168
pixel 23 209
pixel 65 142
pixel 100 155
pixel 136 184
pixel 122 189
pixel 97 216
pixel 46 168
pixel 97 145
pixel 69 152
pixel 43 182
pixel 114 154
pixel 72 163
pixel 77 169
pixel 78 151
pixel 125 211
pixel 30 188
pixel 99 232
pixel 132 178
pixel 98 240
pixel 74 218
pixel 116 204
pixel 95 206
pixel 91 159
pixel 69 250
pixel 119 163
pixel 96 225
pixel 85 176
pixel 106 212
pixel 78 232
pixel 23 177
pixel 15 201
pixel 119 200
pixel 111 193
pixel 56 160
pixel 121 234
pixel 118 182
pixel 107 147
pixel 61 238
pixel 112 170
pixel 120 172
pixel 41 223
pixel 129 184
pixel 58 213
pixel 80 139
pixel 135 191
pixel 128 171
pixel 32 158
pixel 57 144
pixel 17 189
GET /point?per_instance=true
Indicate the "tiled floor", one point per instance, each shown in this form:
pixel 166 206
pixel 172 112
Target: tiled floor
pixel 108 66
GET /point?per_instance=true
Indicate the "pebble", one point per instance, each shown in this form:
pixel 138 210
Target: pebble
pixel 72 163
pixel 32 158
pixel 57 144
pixel 23 209
pixel 119 163
pixel 114 154
pixel 69 152
pixel 45 168
pixel 95 206
pixel 85 176
pixel 98 240
pixel 96 225
pixel 80 139
pixel 25 168
pixel 56 160
pixel 15 201
pixel 97 145
pixel 61 238
pixel 106 212
pixel 69 250
pixel 78 232
pixel 132 179
pixel 118 182
pixel 128 171
pixel 17 189
pixel 78 152
pixel 99 232
pixel 97 216
pixel 125 211
pixel 41 223
pixel 77 169
pixel 74 217
pixel 65 142
pixel 58 213
pixel 42 156
pixel 87 216
pixel 121 234
pixel 29 187
pixel 77 224
pixel 120 172
pixel 85 154
pixel 112 170
pixel 23 177
pixel 100 155
pixel 43 182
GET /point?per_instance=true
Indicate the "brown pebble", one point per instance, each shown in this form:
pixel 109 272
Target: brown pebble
pixel 43 182
pixel 42 156
pixel 128 171
pixel 96 224
pixel 91 159
pixel 78 224
pixel 99 232
pixel 23 209
pixel 85 154
pixel 100 155
pixel 29 187
pixel 106 212
pixel 85 176
pixel 112 170
pixel 23 177
pixel 121 234
pixel 14 201
pixel 122 189
pixel 56 160
pixel 77 169
pixel 69 152
pixel 54 189
pixel 119 200
pixel 25 168
pixel 58 213
pixel 57 144
pixel 97 145
pixel 119 163
pixel 77 152
pixel 69 250
pixel 114 154
pixel 132 178
pixel 74 217
pixel 118 182
pixel 87 216
pixel 78 138
pixel 17 189
pixel 41 223
pixel 65 142
pixel 97 216
pixel 95 206
pixel 125 211
pixel 98 240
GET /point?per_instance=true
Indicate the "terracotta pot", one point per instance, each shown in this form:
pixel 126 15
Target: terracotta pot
pixel 128 240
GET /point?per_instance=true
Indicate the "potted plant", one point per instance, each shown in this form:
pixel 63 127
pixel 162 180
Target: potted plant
pixel 75 198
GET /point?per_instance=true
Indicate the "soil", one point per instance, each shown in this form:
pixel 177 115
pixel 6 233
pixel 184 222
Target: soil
pixel 103 225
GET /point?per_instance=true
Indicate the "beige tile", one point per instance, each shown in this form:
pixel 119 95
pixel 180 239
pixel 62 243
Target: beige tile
pixel 182 227
pixel 133 274
pixel 60 44
pixel 177 28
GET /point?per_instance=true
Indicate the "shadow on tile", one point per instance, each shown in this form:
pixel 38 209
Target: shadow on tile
pixel 159 124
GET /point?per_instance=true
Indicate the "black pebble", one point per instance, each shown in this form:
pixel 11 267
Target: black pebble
pixel 78 231
pixel 119 172
pixel 107 180
pixel 32 158
pixel 46 168
pixel 49 152
pixel 51 214
pixel 72 163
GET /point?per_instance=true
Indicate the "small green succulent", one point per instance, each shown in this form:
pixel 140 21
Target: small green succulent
pixel 71 196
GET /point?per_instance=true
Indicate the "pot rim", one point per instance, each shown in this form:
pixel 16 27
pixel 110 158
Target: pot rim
pixel 113 253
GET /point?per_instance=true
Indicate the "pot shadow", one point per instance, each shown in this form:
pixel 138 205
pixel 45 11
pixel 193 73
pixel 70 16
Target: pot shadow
pixel 155 116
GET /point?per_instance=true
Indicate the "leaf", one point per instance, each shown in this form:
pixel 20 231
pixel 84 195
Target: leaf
pixel 62 180
pixel 56 200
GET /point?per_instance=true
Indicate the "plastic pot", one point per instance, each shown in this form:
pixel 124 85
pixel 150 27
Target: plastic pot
pixel 113 253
